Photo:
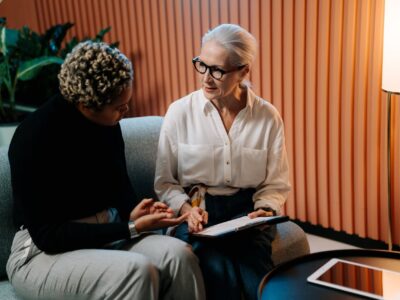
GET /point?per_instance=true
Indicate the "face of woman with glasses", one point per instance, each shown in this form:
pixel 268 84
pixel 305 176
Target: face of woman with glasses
pixel 219 79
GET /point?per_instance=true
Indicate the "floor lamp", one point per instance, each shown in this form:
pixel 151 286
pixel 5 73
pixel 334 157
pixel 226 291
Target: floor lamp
pixel 391 82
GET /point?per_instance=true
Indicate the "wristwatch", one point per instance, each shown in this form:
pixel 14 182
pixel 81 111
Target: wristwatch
pixel 132 229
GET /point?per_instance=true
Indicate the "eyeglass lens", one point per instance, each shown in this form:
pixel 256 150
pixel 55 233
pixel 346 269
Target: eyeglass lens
pixel 202 68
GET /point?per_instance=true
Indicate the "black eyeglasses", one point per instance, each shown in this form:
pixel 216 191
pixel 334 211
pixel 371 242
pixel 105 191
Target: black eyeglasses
pixel 215 72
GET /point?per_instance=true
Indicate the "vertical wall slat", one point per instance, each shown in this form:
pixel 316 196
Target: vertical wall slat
pixel 117 24
pixel 234 11
pixel 51 13
pixel 277 40
pixel 361 72
pixel 265 51
pixel 299 110
pixel 346 127
pixel 396 169
pixel 310 110
pixel 159 83
pixel 65 17
pixel 125 43
pixel 288 95
pixel 84 18
pixel 71 19
pixel 149 58
pixel 57 12
pixel 40 15
pixel 181 45
pixel 322 99
pixel 94 6
pixel 335 71
pixel 255 75
pixel 47 15
pixel 134 55
pixel 244 14
pixel 214 10
pixel 189 51
pixel 79 22
pixel 92 29
pixel 383 182
pixel 197 34
pixel 224 11
pixel 373 107
pixel 205 15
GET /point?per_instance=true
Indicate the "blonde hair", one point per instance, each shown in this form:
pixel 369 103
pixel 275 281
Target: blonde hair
pixel 241 44
pixel 94 74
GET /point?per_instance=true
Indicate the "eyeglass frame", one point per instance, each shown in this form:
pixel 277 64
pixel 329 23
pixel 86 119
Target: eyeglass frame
pixel 211 69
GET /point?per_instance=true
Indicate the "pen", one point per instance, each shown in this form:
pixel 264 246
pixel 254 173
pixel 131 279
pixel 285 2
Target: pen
pixel 196 201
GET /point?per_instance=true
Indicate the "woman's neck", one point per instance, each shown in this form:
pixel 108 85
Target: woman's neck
pixel 233 103
pixel 229 107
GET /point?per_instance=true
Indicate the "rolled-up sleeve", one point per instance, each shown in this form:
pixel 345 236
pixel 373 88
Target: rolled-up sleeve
pixel 273 191
pixel 166 184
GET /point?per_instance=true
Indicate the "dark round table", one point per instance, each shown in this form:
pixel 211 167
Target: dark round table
pixel 289 280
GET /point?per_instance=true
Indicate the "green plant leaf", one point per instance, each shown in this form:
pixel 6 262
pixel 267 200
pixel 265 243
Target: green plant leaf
pixel 54 37
pixel 8 38
pixel 29 69
pixel 69 46
pixel 3 70
pixel 100 36
pixel 29 45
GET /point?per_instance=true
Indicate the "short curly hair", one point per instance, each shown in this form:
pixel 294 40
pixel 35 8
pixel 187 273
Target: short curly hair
pixel 94 74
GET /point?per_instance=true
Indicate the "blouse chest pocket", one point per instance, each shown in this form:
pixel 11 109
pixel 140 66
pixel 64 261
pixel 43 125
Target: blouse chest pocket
pixel 196 163
pixel 253 166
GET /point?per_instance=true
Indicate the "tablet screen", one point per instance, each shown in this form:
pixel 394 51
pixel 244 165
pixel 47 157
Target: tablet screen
pixel 358 278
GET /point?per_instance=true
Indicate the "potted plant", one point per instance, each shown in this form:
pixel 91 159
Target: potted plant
pixel 29 64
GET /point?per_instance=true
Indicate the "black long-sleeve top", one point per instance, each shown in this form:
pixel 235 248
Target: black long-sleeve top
pixel 63 168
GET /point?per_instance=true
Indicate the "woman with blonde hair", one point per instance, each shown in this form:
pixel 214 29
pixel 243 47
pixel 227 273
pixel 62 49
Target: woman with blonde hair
pixel 222 155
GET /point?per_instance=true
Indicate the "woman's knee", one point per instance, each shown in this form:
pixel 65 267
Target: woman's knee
pixel 180 252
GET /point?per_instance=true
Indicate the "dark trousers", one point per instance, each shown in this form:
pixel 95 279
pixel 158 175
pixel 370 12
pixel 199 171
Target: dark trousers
pixel 235 264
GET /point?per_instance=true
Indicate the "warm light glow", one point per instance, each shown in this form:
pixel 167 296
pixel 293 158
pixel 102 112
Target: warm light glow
pixel 391 47
pixel 390 283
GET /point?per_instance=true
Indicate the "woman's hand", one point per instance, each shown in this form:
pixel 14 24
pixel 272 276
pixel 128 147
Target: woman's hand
pixel 260 213
pixel 148 206
pixel 157 220
pixel 197 217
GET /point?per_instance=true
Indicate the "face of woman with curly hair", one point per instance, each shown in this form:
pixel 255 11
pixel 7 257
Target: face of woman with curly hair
pixel 110 114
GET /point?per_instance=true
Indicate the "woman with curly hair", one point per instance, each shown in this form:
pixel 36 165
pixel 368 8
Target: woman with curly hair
pixel 80 222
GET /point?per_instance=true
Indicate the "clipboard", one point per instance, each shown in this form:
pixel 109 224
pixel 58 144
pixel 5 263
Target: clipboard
pixel 239 224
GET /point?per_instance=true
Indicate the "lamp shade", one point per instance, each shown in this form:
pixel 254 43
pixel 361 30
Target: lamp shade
pixel 391 47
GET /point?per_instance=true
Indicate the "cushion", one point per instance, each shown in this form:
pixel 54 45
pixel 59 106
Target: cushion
pixel 141 143
pixel 7 291
pixel 290 242
pixel 7 228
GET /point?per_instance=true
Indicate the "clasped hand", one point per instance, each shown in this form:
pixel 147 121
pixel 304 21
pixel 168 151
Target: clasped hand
pixel 196 218
pixel 152 215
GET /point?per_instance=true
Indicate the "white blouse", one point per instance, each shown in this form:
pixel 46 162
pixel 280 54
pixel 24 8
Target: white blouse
pixel 194 148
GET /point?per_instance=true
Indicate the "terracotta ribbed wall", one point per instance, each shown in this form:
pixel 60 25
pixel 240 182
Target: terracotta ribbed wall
pixel 319 64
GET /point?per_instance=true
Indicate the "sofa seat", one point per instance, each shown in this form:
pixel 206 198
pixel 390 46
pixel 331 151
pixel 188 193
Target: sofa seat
pixel 141 141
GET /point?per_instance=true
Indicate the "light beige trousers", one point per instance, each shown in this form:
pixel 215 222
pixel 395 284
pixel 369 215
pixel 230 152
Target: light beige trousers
pixel 149 267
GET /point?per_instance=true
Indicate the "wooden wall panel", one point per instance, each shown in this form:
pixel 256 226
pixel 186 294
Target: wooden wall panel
pixel 319 63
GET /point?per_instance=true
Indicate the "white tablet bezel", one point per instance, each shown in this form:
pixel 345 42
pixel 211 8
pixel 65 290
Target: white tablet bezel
pixel 313 278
